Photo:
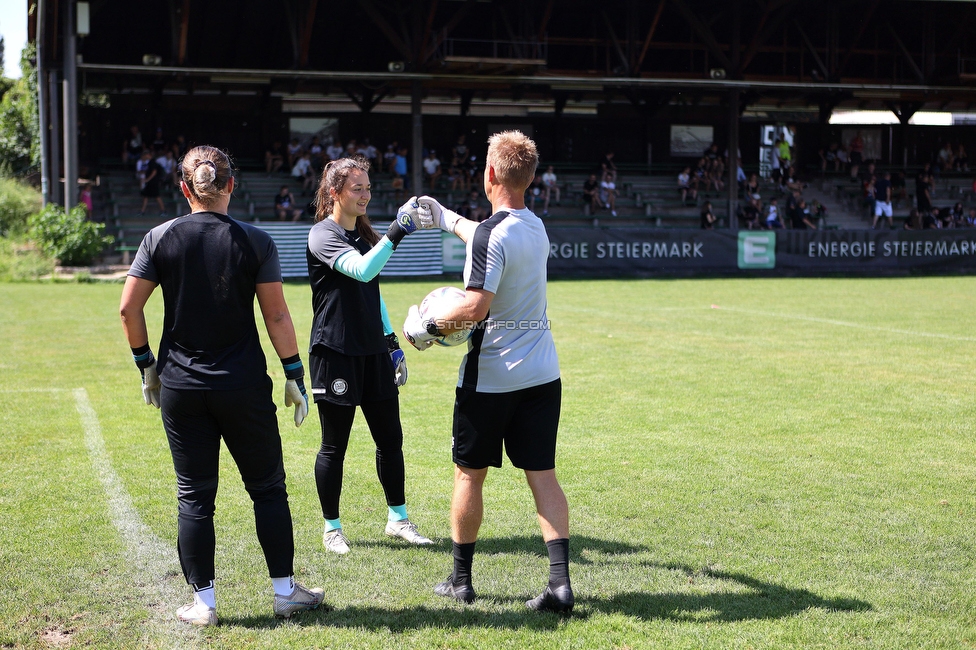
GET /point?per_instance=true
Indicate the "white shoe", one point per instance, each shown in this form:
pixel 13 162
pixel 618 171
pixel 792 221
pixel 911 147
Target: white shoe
pixel 197 614
pixel 335 541
pixel 301 599
pixel 406 529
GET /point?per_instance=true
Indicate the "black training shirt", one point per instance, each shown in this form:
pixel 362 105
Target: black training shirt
pixel 207 265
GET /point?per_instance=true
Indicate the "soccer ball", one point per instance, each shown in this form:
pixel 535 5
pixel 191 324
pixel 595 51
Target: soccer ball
pixel 436 303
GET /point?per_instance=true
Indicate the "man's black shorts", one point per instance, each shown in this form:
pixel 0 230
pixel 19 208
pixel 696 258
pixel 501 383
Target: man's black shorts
pixel 525 421
pixel 350 380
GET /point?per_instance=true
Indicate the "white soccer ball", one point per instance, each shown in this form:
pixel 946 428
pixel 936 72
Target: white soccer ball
pixel 437 303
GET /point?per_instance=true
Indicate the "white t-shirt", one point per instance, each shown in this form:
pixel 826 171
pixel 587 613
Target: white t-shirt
pixel 507 255
pixel 431 165
pixel 334 151
pixel 549 179
pixel 301 168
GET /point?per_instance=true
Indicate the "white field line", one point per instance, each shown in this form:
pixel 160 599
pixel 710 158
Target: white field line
pixel 840 323
pixel 156 568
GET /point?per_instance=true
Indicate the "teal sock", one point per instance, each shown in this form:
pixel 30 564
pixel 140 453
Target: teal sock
pixel 332 524
pixel 397 513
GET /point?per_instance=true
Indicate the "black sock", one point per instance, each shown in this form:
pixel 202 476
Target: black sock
pixel 558 562
pixel 463 556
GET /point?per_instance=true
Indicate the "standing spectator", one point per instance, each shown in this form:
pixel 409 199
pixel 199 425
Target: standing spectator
pixel 432 169
pixel 551 184
pixel 775 162
pixel 607 166
pixel 856 149
pixel 400 165
pixel 167 163
pixel 684 185
pixel 355 358
pixel 591 193
pixel 211 380
pixel 946 158
pixel 132 146
pixel 870 194
pixel 708 218
pixel 303 172
pixel 882 201
pixel 142 167
pixel 785 155
pixel 150 189
pixel 608 193
pixel 285 205
pixel 923 191
pixel 509 393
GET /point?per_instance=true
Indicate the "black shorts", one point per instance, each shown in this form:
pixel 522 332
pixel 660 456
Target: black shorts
pixel 351 380
pixel 525 421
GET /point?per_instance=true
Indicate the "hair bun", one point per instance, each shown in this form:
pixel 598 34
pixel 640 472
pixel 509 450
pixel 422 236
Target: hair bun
pixel 204 173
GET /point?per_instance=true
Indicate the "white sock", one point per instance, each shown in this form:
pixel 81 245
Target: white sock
pixel 205 596
pixel 283 586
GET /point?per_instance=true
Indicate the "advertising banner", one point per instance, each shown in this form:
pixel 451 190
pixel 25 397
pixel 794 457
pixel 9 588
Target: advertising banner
pixel 646 252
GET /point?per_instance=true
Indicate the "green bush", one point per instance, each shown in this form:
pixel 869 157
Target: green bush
pixel 19 261
pixel 70 237
pixel 17 202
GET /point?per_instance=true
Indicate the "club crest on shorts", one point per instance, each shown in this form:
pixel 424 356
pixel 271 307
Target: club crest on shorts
pixel 340 386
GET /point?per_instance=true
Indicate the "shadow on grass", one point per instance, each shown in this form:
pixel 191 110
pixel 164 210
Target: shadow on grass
pixel 522 544
pixel 760 600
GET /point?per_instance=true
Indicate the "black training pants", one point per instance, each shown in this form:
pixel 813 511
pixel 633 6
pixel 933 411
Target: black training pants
pixel 195 421
pixel 383 419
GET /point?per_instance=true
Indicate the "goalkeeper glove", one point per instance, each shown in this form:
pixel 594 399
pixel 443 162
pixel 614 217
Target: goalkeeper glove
pixel 421 333
pixel 398 359
pixel 442 217
pixel 146 363
pixel 295 387
pixel 406 222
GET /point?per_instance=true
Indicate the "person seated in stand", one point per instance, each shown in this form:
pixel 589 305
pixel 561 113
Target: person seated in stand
pixel 699 177
pixel 316 153
pixel 608 193
pixel 335 150
pixel 274 158
pixel 913 221
pixel 591 193
pixel 389 157
pixel 751 187
pixel 432 169
pixel 397 185
pixel 971 218
pixel 958 215
pixel 294 152
pixel 800 217
pixel 535 190
pixel 551 187
pixel 684 185
pixel 961 160
pixel 607 166
pixel 930 219
pixel 285 205
pixel 946 219
pixel 472 208
pixel 708 217
pixel 302 171
pixel 773 222
pixel 749 214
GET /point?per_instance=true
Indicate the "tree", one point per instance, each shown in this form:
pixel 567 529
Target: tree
pixel 19 128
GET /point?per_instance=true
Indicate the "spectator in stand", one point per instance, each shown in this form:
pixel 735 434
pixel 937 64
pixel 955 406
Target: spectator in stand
pixel 294 152
pixel 898 191
pixel 535 190
pixel 369 151
pixel 945 159
pixel 432 169
pixel 159 142
pixel 132 146
pixel 179 148
pixel 303 172
pixel 400 165
pixel 473 179
pixel 828 158
pixel 971 218
pixel 913 221
pixel 930 219
pixel 460 150
pixel 608 193
pixel 684 185
pixel 800 217
pixel 316 153
pixel 843 158
pixel 552 187
pixel 749 214
pixel 882 201
pixel 708 217
pixel 142 167
pixel 591 193
pixel 274 158
pixel 856 148
pixel 389 157
pixel 85 199
pixel 775 163
pixel 699 178
pixel 711 153
pixel 751 187
pixel 961 160
pixel 958 215
pixel 335 150
pixel 455 174
pixel 716 174
pixel 945 218
pixel 150 189
pixel 773 222
pixel 785 155
pixel 607 166
pixel 351 149
pixel 286 205
pixel 870 195
pixel 168 165
pixel 923 191
pixel 472 208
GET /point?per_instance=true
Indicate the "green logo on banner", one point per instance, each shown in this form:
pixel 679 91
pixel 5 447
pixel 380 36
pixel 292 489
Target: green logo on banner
pixel 757 250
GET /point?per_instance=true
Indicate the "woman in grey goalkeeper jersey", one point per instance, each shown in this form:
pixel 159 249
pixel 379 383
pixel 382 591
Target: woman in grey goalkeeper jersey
pixel 355 358
pixel 211 381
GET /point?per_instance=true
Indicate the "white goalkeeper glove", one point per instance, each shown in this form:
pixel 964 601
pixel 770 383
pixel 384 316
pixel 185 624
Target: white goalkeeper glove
pixel 421 333
pixel 146 363
pixel 442 217
pixel 295 387
pixel 398 359
pixel 407 221
pixel 151 385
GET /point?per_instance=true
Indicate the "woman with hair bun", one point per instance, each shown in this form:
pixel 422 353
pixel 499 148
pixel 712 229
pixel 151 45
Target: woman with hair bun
pixel 211 381
pixel 355 358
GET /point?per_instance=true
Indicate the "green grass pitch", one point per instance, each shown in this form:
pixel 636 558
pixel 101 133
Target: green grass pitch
pixel 749 464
